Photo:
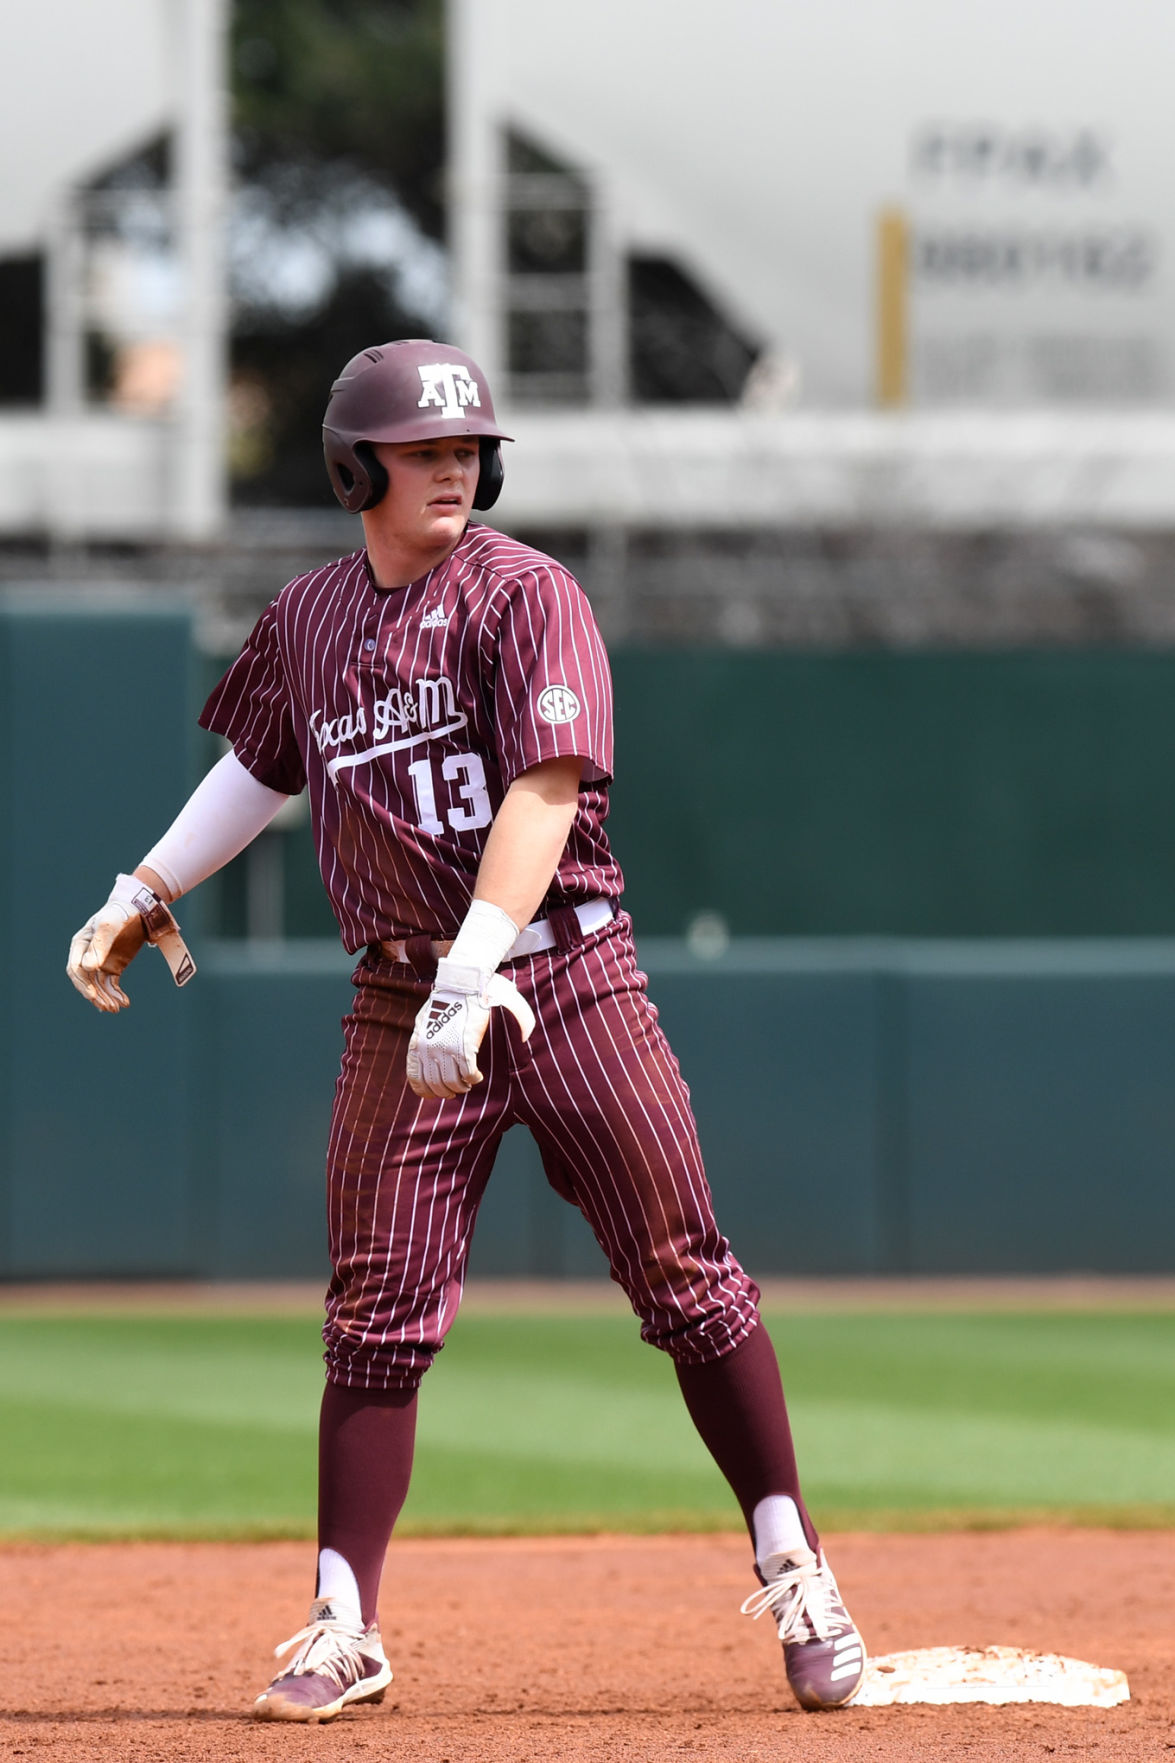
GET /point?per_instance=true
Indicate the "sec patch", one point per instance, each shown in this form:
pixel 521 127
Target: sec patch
pixel 558 704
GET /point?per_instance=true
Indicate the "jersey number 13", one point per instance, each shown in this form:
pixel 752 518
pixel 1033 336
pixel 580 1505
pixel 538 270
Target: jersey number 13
pixel 472 807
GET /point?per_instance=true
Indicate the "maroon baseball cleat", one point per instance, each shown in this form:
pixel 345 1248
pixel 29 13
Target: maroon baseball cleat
pixel 823 1653
pixel 336 1664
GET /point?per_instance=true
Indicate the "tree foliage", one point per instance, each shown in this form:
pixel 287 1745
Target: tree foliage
pixel 337 105
pixel 327 88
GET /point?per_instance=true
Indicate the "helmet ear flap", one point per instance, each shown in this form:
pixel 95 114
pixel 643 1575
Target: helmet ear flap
pixel 491 476
pixel 376 474
pixel 357 478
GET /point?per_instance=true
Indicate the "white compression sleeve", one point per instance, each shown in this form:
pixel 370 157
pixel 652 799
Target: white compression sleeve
pixel 221 816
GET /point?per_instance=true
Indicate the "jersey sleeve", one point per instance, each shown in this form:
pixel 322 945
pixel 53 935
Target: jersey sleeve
pixel 553 686
pixel 251 709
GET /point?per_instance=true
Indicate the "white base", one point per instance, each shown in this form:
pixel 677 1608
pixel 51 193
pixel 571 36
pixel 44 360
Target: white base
pixel 988 1674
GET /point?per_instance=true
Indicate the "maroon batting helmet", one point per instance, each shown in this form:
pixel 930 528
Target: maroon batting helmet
pixel 413 390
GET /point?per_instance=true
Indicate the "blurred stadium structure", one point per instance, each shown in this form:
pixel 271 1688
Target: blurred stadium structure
pixel 930 268
pixel 836 325
pixel 112 280
pixel 911 205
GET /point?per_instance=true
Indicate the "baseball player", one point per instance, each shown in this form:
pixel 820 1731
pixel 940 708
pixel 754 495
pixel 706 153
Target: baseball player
pixel 443 695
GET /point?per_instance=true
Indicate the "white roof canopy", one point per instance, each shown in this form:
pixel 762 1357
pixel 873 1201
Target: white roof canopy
pixel 82 83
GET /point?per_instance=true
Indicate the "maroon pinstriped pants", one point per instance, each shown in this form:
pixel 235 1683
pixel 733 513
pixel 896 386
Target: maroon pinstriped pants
pixel 601 1092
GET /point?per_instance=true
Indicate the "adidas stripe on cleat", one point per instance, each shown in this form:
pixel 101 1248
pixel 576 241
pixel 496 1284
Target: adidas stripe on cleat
pixel 823 1653
pixel 336 1664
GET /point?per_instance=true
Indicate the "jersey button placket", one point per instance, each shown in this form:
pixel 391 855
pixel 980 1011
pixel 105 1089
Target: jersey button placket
pixel 369 644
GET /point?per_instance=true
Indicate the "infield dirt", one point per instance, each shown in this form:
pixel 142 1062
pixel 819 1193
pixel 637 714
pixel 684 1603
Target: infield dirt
pixel 584 1648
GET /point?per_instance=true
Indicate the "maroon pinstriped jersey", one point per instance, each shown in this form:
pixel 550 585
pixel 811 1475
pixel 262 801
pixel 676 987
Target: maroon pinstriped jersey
pixel 408 712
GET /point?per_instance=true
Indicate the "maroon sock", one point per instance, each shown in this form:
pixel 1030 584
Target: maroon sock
pixel 365 1440
pixel 737 1405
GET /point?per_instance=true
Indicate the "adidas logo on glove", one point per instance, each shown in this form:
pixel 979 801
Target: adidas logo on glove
pixel 439 1016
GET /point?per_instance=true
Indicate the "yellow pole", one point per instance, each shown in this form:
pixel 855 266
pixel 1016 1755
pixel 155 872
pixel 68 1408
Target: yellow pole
pixel 893 275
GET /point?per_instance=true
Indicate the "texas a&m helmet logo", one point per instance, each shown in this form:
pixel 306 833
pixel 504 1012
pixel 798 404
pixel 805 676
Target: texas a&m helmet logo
pixel 448 388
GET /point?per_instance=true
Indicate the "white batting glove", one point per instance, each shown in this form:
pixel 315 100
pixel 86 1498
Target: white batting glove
pixel 109 941
pixel 442 1054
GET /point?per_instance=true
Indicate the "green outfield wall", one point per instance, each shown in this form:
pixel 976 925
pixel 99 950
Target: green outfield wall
pixel 864 1108
pixel 982 1083
pixel 97 1167
pixel 1010 794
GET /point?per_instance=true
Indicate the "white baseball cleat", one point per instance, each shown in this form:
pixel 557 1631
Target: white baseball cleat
pixel 823 1653
pixel 336 1664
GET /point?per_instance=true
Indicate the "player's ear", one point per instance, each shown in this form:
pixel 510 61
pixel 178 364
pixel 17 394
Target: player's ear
pixel 491 475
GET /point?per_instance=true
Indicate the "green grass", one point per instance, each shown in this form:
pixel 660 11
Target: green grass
pixel 170 1424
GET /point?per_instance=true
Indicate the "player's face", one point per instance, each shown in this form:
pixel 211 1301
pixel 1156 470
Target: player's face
pixel 431 486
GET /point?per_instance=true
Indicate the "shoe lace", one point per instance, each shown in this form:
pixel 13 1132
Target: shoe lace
pixel 803 1601
pixel 326 1649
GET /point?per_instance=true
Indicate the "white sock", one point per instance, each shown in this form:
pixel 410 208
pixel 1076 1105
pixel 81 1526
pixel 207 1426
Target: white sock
pixel 337 1582
pixel 779 1535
